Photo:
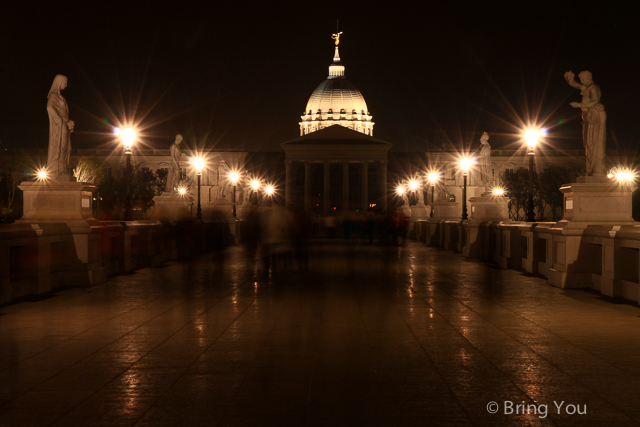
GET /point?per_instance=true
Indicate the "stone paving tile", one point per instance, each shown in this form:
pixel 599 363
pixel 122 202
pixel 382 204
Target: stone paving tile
pixel 374 336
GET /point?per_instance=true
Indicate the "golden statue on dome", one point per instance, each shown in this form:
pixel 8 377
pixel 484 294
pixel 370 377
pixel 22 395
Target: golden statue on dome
pixel 336 37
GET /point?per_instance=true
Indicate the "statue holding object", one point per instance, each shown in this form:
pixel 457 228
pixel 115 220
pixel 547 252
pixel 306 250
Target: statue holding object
pixel 594 118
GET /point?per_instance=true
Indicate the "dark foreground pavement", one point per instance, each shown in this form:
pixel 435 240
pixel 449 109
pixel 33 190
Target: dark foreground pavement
pixel 370 336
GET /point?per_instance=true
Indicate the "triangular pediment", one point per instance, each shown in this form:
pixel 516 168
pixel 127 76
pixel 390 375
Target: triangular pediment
pixel 336 135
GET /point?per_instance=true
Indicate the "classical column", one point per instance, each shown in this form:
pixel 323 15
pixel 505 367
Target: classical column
pixel 345 186
pixel 288 192
pixel 327 184
pixel 365 186
pixel 383 184
pixel 307 185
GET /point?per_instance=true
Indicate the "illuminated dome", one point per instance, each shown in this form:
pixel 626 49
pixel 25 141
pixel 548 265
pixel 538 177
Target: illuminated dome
pixel 336 102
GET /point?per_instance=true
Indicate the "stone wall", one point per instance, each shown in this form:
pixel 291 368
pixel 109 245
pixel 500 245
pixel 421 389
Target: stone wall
pixel 605 258
pixel 38 258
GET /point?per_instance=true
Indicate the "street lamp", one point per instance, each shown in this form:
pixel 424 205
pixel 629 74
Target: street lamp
pixel 433 178
pixel 255 185
pixel 199 164
pixel 531 136
pixel 623 176
pixel 234 176
pixel 128 136
pixel 400 190
pixel 498 192
pixel 42 174
pixel 269 190
pixel 465 164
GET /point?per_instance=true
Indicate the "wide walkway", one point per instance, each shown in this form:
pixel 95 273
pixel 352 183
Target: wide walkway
pixel 369 336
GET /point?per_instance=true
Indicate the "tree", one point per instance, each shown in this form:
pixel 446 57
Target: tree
pixel 11 174
pixel 90 171
pixel 516 185
pixel 551 179
pixel 547 196
pixel 144 186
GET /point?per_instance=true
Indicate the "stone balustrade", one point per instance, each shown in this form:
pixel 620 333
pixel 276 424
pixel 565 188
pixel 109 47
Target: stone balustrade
pixel 605 258
pixel 38 258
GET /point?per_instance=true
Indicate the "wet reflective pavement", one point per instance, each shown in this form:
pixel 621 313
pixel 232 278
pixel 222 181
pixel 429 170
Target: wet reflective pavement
pixel 369 335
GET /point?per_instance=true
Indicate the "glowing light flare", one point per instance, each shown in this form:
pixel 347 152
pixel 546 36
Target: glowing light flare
pixel 433 178
pixel 532 136
pixel 400 190
pixel 465 164
pixel 41 173
pixel 269 190
pixel 198 163
pixel 622 175
pixel 255 185
pixel 182 191
pixel 234 177
pixel 128 137
pixel 498 192
pixel 413 185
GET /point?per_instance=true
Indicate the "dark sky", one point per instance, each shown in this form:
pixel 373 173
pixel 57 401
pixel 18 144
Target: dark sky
pixel 239 74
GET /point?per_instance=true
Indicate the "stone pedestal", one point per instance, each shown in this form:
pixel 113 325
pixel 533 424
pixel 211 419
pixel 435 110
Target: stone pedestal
pixel 420 212
pixel 597 200
pixel 444 209
pixel 62 207
pixel 417 212
pixel 55 201
pixel 489 208
pixel 243 210
pixel 172 206
pixel 405 210
pixel 590 202
pixel 219 209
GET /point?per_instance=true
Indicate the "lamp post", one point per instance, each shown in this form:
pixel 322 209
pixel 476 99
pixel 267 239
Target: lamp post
pixel 413 186
pixel 255 185
pixel 531 136
pixel 199 164
pixel 234 176
pixel 465 164
pixel 128 136
pixel 433 178
pixel 269 190
pixel 622 175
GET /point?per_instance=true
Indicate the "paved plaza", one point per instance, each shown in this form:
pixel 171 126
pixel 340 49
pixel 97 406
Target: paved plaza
pixel 368 336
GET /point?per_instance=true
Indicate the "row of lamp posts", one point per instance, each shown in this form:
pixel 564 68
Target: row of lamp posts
pixel 128 137
pixel 531 137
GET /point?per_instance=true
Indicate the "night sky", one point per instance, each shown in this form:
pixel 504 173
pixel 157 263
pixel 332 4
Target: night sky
pixel 238 75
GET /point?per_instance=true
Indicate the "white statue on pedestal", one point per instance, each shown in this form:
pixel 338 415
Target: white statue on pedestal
pixel 594 118
pixel 405 199
pixel 60 128
pixel 174 169
pixel 485 162
pixel 223 181
pixel 420 192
